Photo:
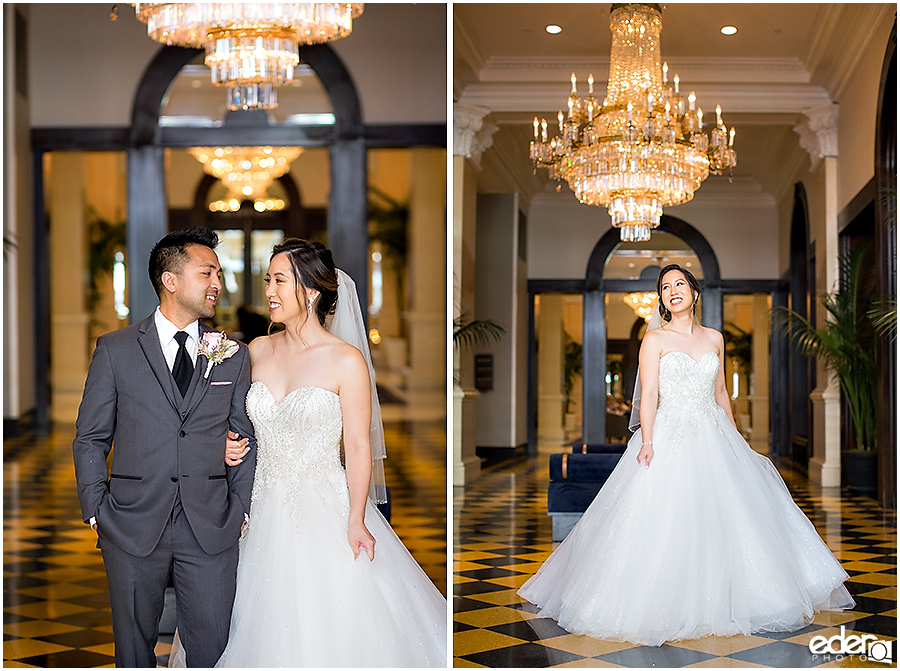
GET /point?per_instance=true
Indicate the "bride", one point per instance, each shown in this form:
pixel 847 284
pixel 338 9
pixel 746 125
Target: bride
pixel 322 580
pixel 694 534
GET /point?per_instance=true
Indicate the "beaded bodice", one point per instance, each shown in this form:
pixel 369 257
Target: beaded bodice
pixel 685 381
pixel 687 392
pixel 298 443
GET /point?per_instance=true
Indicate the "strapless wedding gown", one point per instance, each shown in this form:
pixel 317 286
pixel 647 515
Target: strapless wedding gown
pixel 705 542
pixel 302 600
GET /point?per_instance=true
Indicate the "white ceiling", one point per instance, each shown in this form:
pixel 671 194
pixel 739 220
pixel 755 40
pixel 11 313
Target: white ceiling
pixel 785 58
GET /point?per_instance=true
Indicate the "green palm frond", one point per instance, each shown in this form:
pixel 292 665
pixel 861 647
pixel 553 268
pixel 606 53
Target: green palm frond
pixel 846 344
pixel 467 333
pixel 884 318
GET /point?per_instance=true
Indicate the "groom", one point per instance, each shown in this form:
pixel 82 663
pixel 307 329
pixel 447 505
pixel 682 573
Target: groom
pixel 168 502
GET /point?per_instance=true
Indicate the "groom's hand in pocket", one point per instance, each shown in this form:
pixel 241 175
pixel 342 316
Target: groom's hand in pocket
pixel 235 448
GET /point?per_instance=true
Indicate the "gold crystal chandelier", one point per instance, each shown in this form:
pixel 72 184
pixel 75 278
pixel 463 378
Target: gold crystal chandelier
pixel 251 47
pixel 246 171
pixel 643 149
pixel 642 302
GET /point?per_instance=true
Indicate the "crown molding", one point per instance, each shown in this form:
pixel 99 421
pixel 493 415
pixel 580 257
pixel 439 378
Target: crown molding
pixel 709 70
pixel 844 35
pixel 541 98
pixel 467 61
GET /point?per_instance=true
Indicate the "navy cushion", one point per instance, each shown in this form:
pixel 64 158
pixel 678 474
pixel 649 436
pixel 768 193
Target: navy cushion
pixel 571 497
pixel 582 467
pixel 599 448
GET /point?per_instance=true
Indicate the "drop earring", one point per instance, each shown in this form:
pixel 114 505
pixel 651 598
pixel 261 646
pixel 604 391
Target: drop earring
pixel 309 305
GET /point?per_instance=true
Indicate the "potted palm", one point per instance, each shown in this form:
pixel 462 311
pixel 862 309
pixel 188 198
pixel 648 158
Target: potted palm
pixel 846 345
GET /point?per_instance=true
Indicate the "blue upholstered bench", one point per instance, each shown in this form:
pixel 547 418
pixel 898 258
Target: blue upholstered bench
pixel 575 480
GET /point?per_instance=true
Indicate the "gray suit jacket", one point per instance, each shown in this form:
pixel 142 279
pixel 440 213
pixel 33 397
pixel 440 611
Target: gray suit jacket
pixel 161 443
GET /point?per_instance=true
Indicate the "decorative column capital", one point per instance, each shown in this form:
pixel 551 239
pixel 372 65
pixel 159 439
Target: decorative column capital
pixel 472 135
pixel 819 133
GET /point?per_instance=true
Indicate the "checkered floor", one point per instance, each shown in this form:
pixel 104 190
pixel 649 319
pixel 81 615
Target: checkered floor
pixel 502 535
pixel 55 605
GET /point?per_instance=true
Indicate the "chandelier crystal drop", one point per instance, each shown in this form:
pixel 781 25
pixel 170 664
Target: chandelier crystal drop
pixel 251 47
pixel 644 148
pixel 246 171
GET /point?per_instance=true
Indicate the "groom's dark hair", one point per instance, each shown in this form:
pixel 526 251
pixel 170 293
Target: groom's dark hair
pixel 170 254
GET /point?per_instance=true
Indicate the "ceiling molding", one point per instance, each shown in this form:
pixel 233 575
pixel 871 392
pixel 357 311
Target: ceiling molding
pixel 841 41
pixel 708 70
pixel 541 98
pixel 467 61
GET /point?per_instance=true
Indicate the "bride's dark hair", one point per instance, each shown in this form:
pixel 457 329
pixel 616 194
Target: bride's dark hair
pixel 313 268
pixel 692 283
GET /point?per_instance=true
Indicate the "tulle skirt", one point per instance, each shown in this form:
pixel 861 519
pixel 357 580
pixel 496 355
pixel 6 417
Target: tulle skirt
pixel 707 541
pixel 303 601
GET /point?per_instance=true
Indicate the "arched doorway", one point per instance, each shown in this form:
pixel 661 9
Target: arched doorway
pixel 147 210
pixel 886 252
pixel 595 327
pixel 801 376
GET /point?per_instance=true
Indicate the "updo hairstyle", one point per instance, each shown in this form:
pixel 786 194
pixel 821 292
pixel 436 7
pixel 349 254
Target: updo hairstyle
pixel 313 268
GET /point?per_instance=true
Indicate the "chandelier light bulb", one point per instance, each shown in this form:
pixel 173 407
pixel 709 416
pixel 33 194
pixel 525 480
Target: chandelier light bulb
pixel 246 171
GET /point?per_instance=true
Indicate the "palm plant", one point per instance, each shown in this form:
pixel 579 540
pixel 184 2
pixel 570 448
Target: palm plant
pixel 574 364
pixel 846 344
pixel 738 345
pixel 468 332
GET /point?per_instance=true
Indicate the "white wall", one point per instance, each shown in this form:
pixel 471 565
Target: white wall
pixel 502 295
pixel 738 221
pixel 85 69
pixel 856 119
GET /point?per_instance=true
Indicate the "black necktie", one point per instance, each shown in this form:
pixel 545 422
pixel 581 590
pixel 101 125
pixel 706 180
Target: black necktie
pixel 183 370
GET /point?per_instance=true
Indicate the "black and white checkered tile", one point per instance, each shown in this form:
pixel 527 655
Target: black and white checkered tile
pixel 502 535
pixel 55 604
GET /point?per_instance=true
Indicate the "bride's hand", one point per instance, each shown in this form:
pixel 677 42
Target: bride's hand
pixel 358 536
pixel 235 450
pixel 646 454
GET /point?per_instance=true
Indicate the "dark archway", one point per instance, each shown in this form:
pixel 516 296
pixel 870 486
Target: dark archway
pixel 595 290
pixel 801 369
pixel 886 253
pixel 147 215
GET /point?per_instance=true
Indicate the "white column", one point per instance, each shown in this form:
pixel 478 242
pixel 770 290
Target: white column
pixel 70 352
pixel 18 228
pixel 759 393
pixel 466 464
pixel 471 136
pixel 104 188
pixel 818 135
pixel 551 393
pixel 427 316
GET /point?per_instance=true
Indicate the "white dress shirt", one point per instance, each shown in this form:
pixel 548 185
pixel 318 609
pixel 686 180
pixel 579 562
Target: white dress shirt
pixel 166 331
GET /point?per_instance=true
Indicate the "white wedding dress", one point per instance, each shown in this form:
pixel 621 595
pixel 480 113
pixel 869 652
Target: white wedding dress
pixel 706 541
pixel 302 600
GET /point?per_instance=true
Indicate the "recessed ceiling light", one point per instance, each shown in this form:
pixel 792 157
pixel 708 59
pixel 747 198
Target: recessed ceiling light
pixel 553 29
pixel 728 30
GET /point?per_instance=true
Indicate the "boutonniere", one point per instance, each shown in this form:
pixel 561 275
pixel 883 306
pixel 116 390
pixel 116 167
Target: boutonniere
pixel 216 347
